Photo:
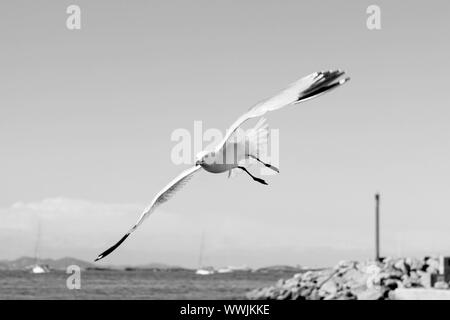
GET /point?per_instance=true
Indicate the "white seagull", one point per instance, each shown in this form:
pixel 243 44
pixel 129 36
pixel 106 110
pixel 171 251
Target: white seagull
pixel 219 160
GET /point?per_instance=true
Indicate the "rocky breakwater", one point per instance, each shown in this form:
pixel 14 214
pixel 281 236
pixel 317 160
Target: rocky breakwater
pixel 368 280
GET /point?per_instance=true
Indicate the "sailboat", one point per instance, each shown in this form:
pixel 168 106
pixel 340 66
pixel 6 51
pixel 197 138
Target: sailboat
pixel 38 268
pixel 203 271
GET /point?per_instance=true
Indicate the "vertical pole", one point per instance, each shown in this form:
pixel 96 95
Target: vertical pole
pixel 377 227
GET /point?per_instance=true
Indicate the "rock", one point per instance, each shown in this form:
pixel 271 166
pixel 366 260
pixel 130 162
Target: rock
pixel 323 275
pixel 305 292
pixel 280 283
pixel 298 276
pixel 295 292
pixel 415 264
pixel 330 297
pixel 425 279
pixel 343 264
pixel 414 276
pixel 391 284
pixel 432 265
pixel 394 273
pixel 314 295
pixel 370 294
pixel 328 288
pixel 406 283
pixel 441 285
pixel 389 261
pixel 307 275
pixel 355 276
pixel 347 295
pixel 368 280
pixel 298 297
pixel 284 295
pixel 402 266
pixel 378 279
pixel 291 283
pixel 372 272
pixel 432 269
pixel 391 295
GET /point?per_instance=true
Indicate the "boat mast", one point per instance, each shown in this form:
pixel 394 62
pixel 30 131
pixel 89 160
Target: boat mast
pixel 202 245
pixel 37 242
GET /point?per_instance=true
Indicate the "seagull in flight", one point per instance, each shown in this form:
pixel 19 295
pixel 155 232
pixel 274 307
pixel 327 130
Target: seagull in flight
pixel 231 152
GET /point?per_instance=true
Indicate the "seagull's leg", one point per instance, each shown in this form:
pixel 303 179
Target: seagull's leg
pixel 254 178
pixel 266 164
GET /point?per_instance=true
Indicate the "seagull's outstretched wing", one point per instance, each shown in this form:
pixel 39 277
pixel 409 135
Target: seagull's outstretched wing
pixel 304 89
pixel 160 198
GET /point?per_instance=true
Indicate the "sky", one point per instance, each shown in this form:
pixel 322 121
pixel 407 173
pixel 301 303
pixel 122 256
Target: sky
pixel 86 118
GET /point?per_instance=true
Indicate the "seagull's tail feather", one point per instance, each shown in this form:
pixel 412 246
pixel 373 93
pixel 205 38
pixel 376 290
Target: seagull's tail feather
pixel 321 83
pixel 257 138
pixel 255 144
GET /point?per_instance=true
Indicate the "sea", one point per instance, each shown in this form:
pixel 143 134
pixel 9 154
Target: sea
pixel 135 284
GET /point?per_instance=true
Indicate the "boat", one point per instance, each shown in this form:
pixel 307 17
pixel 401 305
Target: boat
pixel 38 268
pixel 231 269
pixel 203 271
pixel 240 268
pixel 225 270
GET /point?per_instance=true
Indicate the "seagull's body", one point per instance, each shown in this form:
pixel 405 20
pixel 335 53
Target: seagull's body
pixel 231 151
pixel 235 150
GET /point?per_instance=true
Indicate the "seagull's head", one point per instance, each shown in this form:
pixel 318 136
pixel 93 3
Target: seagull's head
pixel 203 157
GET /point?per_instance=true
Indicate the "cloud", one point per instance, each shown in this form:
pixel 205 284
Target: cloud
pixel 84 228
pixel 63 211
pixel 65 224
pixel 81 228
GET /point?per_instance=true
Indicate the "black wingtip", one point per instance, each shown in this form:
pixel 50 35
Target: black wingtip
pixel 344 80
pixel 262 181
pixel 107 252
pixel 272 167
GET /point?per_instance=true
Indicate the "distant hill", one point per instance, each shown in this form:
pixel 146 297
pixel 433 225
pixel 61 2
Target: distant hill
pixel 280 268
pixel 62 264
pixel 55 264
pixel 158 266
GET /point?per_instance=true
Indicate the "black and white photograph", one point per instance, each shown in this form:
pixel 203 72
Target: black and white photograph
pixel 224 150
